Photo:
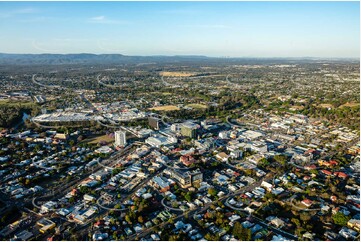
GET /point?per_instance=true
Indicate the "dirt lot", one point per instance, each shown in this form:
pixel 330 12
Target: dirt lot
pixel 165 108
pixel 326 105
pixel 177 73
pixel 197 106
pixel 352 104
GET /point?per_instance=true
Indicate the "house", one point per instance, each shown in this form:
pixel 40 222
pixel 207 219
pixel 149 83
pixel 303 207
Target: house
pixel 61 136
pixel 187 160
pixel 308 235
pixel 267 185
pixel 348 234
pixel 155 237
pixel 223 135
pixel 340 174
pixel 179 225
pixel 327 163
pixel 47 207
pixel 277 222
pixel 278 191
pixel 326 172
pixel 307 202
pixel 88 198
pixel 222 156
pixel 354 224
pixel 310 167
pixel 24 235
pixel 236 154
pixel 161 184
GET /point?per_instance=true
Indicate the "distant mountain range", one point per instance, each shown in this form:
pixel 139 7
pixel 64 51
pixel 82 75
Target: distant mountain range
pixel 85 58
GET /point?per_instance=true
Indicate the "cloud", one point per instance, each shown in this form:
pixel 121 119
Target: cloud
pixel 104 20
pixel 19 11
pixel 98 18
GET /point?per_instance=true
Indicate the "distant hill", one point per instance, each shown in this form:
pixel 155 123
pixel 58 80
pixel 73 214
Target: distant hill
pixel 85 58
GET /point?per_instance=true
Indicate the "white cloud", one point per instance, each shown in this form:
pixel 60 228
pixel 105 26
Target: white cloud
pixel 18 12
pixel 98 18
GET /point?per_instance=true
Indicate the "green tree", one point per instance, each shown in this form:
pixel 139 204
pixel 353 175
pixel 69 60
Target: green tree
pixel 188 197
pixel 340 219
pixel 212 191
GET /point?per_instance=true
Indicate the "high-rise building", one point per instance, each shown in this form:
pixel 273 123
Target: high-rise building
pixel 120 138
pixel 189 129
pixel 154 122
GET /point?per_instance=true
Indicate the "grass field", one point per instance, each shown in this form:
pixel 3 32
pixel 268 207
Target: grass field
pixel 352 104
pixel 177 73
pixel 165 108
pixel 197 106
pixel 10 103
pixel 103 138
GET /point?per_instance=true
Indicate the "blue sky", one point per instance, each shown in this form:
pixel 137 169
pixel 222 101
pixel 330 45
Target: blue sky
pixel 236 29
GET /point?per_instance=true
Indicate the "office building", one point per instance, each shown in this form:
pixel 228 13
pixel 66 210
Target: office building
pixel 120 138
pixel 189 129
pixel 154 122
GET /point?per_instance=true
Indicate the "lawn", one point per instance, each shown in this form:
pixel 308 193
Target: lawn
pixel 165 108
pixel 11 103
pixel 106 139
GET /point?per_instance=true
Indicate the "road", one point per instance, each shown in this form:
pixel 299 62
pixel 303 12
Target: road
pixel 198 210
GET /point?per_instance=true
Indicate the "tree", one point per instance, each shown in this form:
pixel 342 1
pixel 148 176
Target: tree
pixel 140 219
pixel 237 230
pixel 296 222
pixel 305 217
pixel 281 159
pixel 188 197
pixel 212 191
pixel 246 234
pixel 128 219
pixel 340 219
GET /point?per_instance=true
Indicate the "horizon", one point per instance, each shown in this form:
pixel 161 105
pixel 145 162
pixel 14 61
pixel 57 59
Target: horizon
pixel 188 55
pixel 213 29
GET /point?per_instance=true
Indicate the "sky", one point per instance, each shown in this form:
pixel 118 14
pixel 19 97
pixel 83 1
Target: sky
pixel 234 29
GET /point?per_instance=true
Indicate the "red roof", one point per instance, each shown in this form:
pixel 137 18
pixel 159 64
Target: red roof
pixel 326 172
pixel 340 174
pixel 307 201
pixel 310 151
pixel 311 167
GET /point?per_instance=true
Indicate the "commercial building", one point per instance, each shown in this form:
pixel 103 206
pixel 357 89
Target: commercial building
pixel 120 138
pixel 189 129
pixel 160 140
pixel 154 122
pixel 187 178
